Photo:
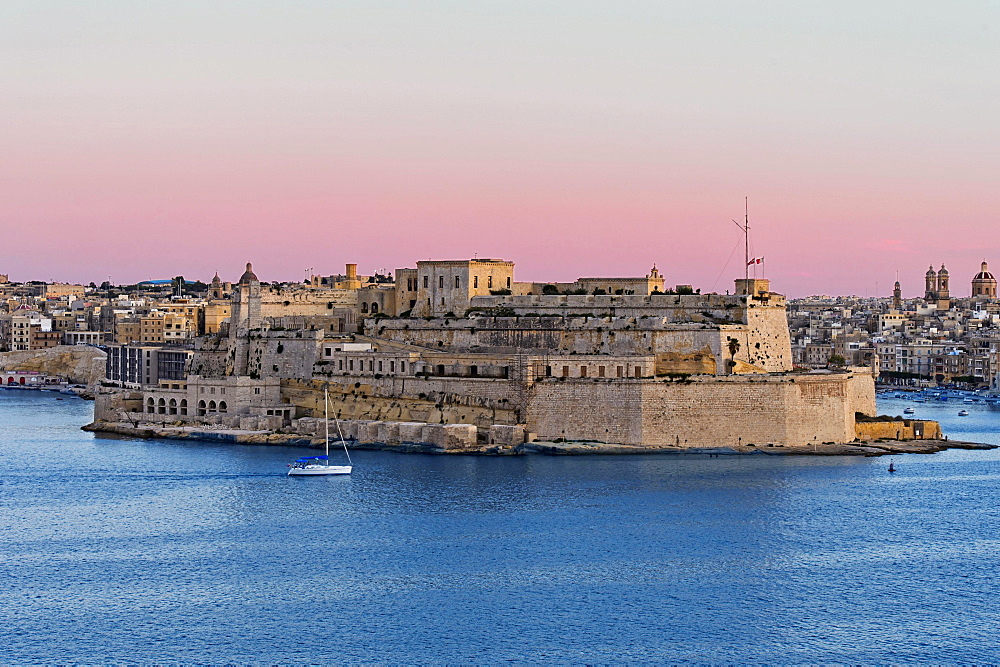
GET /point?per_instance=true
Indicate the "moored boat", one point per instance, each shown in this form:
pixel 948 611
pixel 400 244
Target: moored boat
pixel 320 465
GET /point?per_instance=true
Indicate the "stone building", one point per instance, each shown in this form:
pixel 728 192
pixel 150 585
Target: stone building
pixel 444 287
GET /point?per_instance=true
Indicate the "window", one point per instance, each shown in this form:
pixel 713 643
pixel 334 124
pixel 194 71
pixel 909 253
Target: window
pixel 350 365
pixel 327 352
pixel 458 282
pixel 340 365
pixel 425 282
pixel 392 366
pixel 620 371
pixel 489 282
pixel 374 308
pixel 440 282
pixel 600 371
pixel 222 390
pixel 402 367
pixel 380 367
pixel 583 371
pixel 565 371
pixel 475 281
pixel 256 390
pixel 508 282
pixel 548 371
pixel 364 307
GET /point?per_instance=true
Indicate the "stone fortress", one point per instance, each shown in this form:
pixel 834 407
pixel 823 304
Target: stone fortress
pixel 460 356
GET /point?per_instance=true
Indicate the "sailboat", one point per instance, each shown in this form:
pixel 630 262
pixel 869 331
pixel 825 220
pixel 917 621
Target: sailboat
pixel 320 465
pixel 892 468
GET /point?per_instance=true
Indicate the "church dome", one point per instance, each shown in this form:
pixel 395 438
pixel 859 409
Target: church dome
pixel 943 271
pixel 984 273
pixel 248 275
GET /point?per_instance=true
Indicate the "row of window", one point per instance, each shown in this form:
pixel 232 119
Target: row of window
pixel 620 371
pixel 411 283
pixel 174 407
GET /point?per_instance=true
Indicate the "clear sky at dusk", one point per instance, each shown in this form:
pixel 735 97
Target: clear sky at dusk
pixel 577 138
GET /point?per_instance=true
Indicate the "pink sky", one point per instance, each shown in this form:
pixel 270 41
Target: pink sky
pixel 575 138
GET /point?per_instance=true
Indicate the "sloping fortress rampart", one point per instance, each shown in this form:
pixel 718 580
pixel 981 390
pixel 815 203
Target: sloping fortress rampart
pixel 511 361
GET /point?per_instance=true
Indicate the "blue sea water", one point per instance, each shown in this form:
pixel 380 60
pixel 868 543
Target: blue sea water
pixel 118 550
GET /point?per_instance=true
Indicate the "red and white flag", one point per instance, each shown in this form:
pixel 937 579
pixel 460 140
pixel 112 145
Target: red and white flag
pixel 756 260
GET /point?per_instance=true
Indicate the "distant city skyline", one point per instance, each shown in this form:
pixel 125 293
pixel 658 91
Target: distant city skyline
pixel 573 138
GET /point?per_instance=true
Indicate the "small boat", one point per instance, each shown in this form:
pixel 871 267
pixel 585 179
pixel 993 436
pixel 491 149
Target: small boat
pixel 908 411
pixel 963 413
pixel 892 468
pixel 320 465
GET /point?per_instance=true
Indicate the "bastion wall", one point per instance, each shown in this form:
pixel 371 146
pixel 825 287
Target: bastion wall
pixel 700 412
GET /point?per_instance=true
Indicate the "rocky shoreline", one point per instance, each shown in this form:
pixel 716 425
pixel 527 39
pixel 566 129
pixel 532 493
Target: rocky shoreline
pixel 244 437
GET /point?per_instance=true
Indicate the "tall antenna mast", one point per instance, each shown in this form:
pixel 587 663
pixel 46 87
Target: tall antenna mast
pixel 745 227
pixel 746 238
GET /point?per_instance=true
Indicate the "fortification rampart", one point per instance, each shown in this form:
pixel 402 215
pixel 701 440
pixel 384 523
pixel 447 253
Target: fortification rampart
pixel 700 412
pixel 762 345
pixel 482 402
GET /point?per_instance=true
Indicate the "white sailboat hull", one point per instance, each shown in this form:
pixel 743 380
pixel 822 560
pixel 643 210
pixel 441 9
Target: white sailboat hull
pixel 320 470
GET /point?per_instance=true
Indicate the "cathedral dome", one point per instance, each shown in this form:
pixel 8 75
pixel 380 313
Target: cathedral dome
pixel 248 275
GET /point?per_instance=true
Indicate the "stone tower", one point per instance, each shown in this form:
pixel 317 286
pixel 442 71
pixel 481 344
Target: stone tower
pixel 943 294
pixel 897 297
pixel 215 289
pixel 984 284
pixel 930 285
pixel 245 317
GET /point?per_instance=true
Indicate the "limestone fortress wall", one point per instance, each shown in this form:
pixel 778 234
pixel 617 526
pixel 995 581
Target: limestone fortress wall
pixel 652 370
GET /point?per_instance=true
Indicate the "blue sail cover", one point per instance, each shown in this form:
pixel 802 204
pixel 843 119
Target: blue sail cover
pixel 304 459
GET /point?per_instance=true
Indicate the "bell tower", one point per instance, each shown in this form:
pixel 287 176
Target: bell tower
pixel 943 295
pixel 245 317
pixel 930 285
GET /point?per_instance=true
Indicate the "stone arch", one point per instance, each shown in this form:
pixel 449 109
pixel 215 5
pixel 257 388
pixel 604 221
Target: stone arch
pixel 173 406
pixel 184 406
pixel 201 408
pixel 161 406
pixel 222 406
pixel 212 407
pixel 150 405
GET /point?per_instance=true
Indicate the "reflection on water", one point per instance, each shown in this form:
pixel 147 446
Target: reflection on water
pixel 123 550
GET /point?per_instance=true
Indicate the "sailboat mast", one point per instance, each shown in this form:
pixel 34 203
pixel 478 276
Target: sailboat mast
pixel 326 420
